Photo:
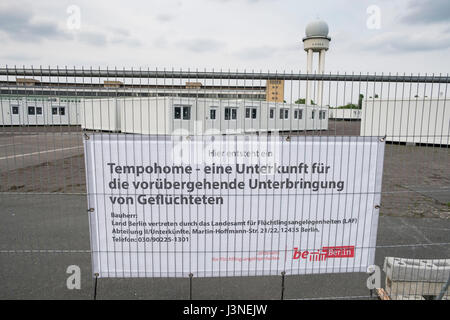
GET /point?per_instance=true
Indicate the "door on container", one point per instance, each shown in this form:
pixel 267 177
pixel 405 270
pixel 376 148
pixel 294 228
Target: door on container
pixel 251 122
pixel 182 123
pixel 58 115
pixel 213 120
pixel 284 121
pixel 40 117
pixel 14 114
pixel 230 116
pixel 34 115
pixel 298 121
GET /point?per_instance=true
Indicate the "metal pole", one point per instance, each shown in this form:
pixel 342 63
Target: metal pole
pixel 444 289
pixel 95 286
pixel 190 285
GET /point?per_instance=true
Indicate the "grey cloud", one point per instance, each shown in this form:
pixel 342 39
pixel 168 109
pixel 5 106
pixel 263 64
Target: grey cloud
pixel 18 24
pixel 126 41
pixel 427 11
pixel 20 56
pixel 98 38
pixel 403 42
pixel 201 45
pixel 164 17
pixel 122 36
pixel 259 52
pixel 121 32
pixel 161 42
pixel 93 38
pixel 265 51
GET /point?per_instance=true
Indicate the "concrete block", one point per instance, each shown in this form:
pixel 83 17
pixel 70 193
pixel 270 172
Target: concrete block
pixel 403 288
pixel 401 269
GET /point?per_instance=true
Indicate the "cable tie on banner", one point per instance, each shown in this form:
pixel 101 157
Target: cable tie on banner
pixel 383 139
pixel 86 136
pixel 377 206
pixel 90 210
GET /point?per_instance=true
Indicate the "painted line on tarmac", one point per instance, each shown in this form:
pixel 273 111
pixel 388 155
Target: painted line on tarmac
pixel 39 152
pixel 11 144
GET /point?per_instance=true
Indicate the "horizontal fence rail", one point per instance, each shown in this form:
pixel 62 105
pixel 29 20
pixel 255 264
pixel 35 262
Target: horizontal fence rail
pixel 173 74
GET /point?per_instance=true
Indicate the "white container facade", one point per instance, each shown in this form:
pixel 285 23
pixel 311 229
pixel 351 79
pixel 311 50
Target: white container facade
pixel 101 114
pixel 216 116
pixel 416 120
pixel 36 111
pixel 345 114
pixel 165 115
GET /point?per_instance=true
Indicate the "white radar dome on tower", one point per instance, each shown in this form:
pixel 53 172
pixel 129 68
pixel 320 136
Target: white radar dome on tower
pixel 318 28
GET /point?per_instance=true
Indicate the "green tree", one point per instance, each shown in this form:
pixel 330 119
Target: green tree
pixel 302 101
pixel 360 100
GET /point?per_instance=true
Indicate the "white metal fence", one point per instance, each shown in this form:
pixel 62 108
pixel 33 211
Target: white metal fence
pixel 46 113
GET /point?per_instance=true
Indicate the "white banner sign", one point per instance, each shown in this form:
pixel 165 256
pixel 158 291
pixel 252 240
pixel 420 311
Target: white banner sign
pixel 232 205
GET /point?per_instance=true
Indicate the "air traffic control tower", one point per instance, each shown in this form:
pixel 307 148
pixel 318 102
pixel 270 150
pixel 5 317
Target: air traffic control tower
pixel 316 40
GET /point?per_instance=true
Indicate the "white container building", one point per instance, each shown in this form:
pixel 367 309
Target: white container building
pixel 165 115
pixel 101 114
pixel 34 111
pixel 416 120
pixel 216 116
pixel 345 114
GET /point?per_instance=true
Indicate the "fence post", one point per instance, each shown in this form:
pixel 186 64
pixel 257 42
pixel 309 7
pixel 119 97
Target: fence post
pixel 190 285
pixel 444 289
pixel 95 285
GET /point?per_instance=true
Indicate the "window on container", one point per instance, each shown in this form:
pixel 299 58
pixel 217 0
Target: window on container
pixel 62 111
pixel 39 110
pixel 54 111
pixel 284 113
pixel 254 112
pixel 272 113
pixel 177 112
pixel 313 113
pixel 15 109
pixel 230 114
pixel 298 114
pixel 186 113
pixel 212 114
pixel 247 113
pixel 321 114
pixel 31 110
pixel 227 114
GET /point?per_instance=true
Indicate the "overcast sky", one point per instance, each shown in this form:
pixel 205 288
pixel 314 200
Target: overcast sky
pixel 410 36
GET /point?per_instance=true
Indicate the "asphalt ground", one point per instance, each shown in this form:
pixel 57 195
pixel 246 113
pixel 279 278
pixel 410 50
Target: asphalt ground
pixel 44 225
pixel 416 179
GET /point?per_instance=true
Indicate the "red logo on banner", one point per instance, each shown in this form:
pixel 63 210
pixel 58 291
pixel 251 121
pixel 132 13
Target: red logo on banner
pixel 325 253
pixel 339 252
